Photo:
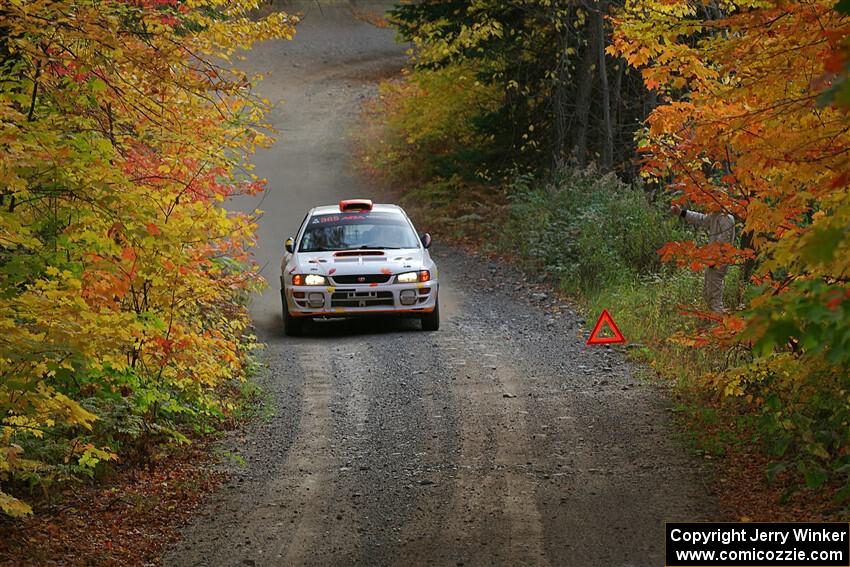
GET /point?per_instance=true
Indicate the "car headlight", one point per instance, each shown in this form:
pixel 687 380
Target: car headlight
pixel 309 279
pixel 313 279
pixel 412 277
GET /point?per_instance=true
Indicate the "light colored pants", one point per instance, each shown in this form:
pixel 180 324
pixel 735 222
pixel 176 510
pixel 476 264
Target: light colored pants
pixel 712 290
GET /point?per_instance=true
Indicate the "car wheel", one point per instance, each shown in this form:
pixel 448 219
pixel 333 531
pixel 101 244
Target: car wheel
pixel 431 321
pixel 292 326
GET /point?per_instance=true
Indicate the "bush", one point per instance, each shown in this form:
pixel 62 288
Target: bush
pixel 799 383
pixel 587 231
pixel 428 126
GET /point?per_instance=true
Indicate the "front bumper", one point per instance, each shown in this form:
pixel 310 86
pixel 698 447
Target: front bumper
pixel 361 299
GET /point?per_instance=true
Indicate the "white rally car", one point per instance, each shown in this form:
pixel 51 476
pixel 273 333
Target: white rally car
pixel 356 259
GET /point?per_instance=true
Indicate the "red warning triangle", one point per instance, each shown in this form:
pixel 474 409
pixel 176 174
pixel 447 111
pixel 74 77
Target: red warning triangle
pixel 595 339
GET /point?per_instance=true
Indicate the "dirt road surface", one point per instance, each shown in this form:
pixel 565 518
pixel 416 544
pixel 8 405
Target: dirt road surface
pixel 499 440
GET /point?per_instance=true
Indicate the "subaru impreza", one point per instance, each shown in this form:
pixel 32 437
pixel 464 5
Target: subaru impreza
pixel 356 259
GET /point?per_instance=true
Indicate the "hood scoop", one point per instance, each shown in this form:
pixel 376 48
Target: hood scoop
pixel 360 256
pixel 349 253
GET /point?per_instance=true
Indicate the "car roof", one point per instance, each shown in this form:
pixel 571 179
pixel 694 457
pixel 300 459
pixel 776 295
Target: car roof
pixel 376 208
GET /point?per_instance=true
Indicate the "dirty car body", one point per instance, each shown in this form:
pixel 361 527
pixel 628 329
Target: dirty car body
pixel 356 259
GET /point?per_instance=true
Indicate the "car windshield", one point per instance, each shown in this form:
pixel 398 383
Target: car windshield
pixel 357 231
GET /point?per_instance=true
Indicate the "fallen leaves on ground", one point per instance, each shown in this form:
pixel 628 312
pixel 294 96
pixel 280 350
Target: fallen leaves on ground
pixel 743 492
pixel 130 519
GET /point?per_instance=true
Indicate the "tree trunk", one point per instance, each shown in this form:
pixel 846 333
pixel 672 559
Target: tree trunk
pixel 617 114
pixel 560 98
pixel 650 101
pixel 585 86
pixel 607 127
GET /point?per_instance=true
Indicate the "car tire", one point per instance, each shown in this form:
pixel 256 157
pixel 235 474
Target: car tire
pixel 431 321
pixel 292 326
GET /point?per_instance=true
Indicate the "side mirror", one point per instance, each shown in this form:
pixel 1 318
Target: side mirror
pixel 426 240
pixel 289 245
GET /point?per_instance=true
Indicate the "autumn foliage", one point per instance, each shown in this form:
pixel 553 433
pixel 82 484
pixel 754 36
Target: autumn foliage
pixel 749 126
pixel 122 279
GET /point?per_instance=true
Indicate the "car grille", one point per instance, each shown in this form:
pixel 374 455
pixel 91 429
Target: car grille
pixel 362 279
pixel 361 298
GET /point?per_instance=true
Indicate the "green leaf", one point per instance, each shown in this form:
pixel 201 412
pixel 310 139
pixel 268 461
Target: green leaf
pixel 821 245
pixel 843 493
pixel 814 476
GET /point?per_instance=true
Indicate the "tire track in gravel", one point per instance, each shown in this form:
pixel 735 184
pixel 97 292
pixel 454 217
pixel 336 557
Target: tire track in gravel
pixel 305 482
pixel 288 518
pixel 493 518
pixel 394 466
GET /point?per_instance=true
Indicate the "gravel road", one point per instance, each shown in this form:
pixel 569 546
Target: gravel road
pixel 499 440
